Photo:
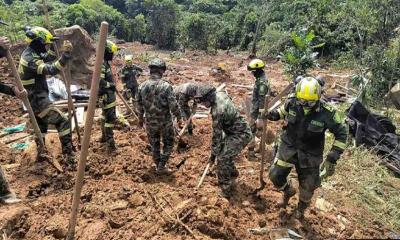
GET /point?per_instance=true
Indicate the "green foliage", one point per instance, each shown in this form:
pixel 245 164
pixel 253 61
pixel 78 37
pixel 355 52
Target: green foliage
pixel 301 56
pixel 384 69
pixel 162 20
pixel 139 28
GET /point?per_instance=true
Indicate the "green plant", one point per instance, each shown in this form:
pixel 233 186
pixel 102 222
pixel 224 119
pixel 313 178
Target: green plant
pixel 301 56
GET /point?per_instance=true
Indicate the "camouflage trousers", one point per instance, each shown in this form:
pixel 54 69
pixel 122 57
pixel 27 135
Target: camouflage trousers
pixel 109 117
pixel 186 113
pixel 309 179
pixel 232 146
pixel 4 187
pixel 157 131
pixel 52 115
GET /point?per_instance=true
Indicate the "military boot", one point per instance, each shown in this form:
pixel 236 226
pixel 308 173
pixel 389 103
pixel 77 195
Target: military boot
pixel 301 207
pixel 226 191
pixel 111 146
pixel 68 153
pixel 288 193
pixel 162 166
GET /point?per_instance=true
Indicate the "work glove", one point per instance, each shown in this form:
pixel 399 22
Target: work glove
pixel 111 86
pixel 211 159
pixel 179 123
pixel 328 166
pixel 141 123
pixel 327 169
pixel 67 47
pixel 4 46
pixel 20 94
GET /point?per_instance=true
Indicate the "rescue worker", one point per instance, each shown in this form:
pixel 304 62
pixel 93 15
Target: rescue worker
pixel 156 106
pixel 6 195
pixel 107 98
pixel 260 90
pixel 36 62
pixel 129 74
pixel 302 143
pixel 231 133
pixel 184 94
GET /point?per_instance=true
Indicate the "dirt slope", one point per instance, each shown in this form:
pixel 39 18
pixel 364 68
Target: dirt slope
pixel 124 199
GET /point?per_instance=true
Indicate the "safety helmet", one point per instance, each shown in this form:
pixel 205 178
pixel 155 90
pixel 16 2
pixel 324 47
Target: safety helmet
pixel 204 92
pixel 308 89
pixel 255 64
pixel 222 66
pixel 39 33
pixel 158 63
pixel 128 59
pixel 111 47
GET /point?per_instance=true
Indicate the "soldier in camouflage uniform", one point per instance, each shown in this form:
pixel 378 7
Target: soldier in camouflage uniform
pixel 260 90
pixel 156 105
pixel 302 142
pixel 6 195
pixel 231 133
pixel 184 93
pixel 107 98
pixel 129 73
pixel 33 68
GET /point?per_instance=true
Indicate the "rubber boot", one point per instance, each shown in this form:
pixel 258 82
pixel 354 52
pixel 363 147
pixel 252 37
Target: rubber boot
pixel 301 207
pixel 251 155
pixel 9 198
pixel 111 147
pixel 68 153
pixel 41 151
pixel 288 193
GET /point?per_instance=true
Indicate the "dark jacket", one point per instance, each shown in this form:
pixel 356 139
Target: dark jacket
pixel 304 134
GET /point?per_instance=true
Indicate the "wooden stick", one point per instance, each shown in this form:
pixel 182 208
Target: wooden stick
pixel 242 86
pixel 264 135
pixel 25 100
pixel 17 138
pixel 203 175
pixel 177 220
pixel 188 121
pixel 220 87
pixel 66 76
pixel 88 129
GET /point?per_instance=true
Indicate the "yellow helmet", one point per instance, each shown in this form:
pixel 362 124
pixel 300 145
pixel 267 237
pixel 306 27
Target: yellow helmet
pixel 222 66
pixel 255 64
pixel 40 33
pixel 128 58
pixel 111 47
pixel 308 89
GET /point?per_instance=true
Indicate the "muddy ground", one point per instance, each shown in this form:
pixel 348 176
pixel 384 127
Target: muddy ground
pixel 123 198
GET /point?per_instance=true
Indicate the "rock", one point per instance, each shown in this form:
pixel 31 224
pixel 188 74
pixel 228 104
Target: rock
pixel 94 230
pixel 119 205
pixel 324 205
pixel 11 217
pixel 262 223
pixel 246 203
pixel 136 200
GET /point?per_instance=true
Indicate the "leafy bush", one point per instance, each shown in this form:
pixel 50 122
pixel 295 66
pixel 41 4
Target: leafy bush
pixel 301 56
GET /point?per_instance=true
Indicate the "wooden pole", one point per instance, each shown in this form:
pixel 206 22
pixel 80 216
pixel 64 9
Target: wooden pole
pixel 262 149
pixel 88 129
pixel 25 100
pixel 203 175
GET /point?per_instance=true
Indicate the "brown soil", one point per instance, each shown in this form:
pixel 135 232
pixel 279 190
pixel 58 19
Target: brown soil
pixel 123 198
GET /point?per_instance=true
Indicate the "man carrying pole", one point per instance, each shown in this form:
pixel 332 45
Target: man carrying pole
pixel 33 68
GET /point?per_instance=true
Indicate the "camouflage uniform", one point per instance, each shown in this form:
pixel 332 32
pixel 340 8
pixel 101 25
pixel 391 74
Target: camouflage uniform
pixel 107 100
pixel 260 90
pixel 128 77
pixel 33 70
pixel 231 133
pixel 302 145
pixel 184 93
pixel 156 102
